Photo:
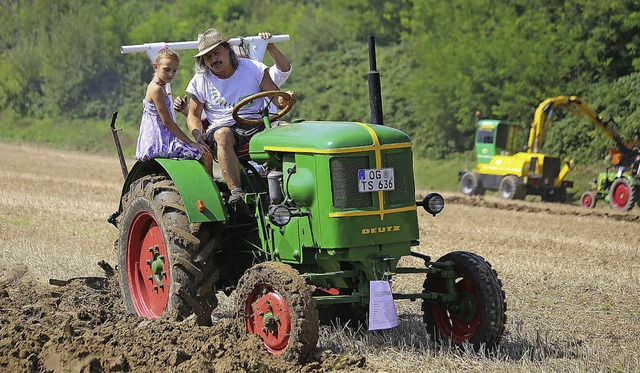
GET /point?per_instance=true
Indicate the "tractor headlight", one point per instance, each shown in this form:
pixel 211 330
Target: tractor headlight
pixel 433 203
pixel 279 215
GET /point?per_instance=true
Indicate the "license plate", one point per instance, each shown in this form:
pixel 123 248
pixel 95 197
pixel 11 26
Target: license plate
pixel 375 179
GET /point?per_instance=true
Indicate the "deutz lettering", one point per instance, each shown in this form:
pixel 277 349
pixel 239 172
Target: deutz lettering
pixel 376 230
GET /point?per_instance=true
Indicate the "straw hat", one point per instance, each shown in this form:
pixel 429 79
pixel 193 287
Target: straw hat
pixel 209 40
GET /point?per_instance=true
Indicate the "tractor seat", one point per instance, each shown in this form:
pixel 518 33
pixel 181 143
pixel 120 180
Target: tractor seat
pixel 243 153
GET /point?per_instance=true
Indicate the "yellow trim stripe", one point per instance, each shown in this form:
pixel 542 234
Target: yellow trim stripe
pixel 378 154
pixel 370 213
pixel 337 151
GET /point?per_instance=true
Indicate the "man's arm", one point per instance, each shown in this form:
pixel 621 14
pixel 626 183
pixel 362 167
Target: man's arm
pixel 193 120
pixel 267 84
pixel 281 61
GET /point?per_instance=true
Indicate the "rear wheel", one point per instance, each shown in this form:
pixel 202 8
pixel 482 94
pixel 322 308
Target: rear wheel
pixel 588 199
pixel 274 302
pixel 511 187
pixel 623 195
pixel 162 269
pixel 470 184
pixel 478 316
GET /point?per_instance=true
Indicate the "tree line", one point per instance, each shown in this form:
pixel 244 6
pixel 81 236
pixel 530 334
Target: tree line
pixel 439 61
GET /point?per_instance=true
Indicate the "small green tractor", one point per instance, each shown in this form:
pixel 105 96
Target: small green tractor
pixel 336 212
pixel 621 189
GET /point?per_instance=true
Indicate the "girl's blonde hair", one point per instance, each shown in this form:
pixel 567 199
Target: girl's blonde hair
pixel 166 53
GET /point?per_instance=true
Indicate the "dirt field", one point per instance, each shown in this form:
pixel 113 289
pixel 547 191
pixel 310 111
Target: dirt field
pixel 571 278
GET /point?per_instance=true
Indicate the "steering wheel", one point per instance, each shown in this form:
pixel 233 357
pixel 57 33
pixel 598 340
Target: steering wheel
pixel 249 99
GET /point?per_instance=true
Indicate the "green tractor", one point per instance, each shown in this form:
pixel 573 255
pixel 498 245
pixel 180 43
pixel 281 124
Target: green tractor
pixel 620 189
pixel 332 218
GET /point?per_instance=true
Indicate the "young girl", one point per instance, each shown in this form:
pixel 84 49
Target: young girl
pixel 160 136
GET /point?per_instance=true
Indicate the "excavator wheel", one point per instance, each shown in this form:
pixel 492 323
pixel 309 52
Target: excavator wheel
pixel 511 187
pixel 470 184
pixel 588 199
pixel 623 195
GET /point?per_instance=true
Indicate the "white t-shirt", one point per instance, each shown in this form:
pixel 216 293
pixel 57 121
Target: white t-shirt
pixel 278 76
pixel 221 95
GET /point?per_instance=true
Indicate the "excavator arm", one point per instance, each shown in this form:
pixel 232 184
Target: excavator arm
pixel 544 115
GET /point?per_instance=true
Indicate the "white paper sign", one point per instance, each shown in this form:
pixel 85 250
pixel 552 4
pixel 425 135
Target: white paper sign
pixel 382 310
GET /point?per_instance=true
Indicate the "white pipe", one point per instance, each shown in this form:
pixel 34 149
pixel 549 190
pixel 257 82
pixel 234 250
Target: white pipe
pixel 257 45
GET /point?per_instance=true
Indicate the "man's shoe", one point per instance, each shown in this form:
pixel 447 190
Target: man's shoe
pixel 239 210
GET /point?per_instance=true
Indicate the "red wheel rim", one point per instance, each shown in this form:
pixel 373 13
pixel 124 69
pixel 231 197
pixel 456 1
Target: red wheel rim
pixel 450 325
pixel 147 266
pixel 267 315
pixel 620 195
pixel 587 200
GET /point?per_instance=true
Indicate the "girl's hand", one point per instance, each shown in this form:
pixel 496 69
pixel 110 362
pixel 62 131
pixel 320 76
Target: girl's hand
pixel 182 105
pixel 201 148
pixel 265 35
pixel 200 138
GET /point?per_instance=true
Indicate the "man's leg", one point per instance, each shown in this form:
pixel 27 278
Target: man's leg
pixel 229 163
pixel 230 166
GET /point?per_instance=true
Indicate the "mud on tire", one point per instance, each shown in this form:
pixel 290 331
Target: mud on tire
pixel 274 302
pixel 163 259
pixel 477 284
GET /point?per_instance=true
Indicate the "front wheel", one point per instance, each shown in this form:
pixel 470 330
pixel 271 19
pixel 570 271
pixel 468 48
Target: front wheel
pixel 274 302
pixel 478 316
pixel 588 199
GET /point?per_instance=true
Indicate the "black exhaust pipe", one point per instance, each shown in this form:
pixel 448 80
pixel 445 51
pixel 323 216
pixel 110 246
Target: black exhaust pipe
pixel 375 92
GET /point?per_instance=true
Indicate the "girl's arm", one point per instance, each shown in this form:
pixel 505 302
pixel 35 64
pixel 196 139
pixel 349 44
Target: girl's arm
pixel 158 96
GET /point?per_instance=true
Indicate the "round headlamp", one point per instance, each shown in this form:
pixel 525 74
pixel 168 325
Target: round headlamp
pixel 433 203
pixel 279 215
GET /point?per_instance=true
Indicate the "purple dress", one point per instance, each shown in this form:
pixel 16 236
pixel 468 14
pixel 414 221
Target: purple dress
pixel 156 141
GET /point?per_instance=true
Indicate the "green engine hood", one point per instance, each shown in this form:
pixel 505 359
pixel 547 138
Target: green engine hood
pixel 323 137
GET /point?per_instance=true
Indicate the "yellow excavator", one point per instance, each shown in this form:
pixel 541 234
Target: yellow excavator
pixel 516 174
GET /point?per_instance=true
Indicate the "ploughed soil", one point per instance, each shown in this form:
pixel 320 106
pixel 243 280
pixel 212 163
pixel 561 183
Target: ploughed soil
pixel 79 325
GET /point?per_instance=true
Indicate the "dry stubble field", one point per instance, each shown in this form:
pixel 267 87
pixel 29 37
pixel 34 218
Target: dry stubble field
pixel 571 278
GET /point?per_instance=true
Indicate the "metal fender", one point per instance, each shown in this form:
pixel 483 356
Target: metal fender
pixel 193 183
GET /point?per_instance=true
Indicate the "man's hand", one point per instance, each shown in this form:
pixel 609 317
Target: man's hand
pixel 282 102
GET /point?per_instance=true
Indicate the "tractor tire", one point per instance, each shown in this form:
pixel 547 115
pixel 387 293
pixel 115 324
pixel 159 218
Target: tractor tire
pixel 274 302
pixel 622 194
pixel 588 199
pixel 511 187
pixel 479 316
pixel 470 184
pixel 163 271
